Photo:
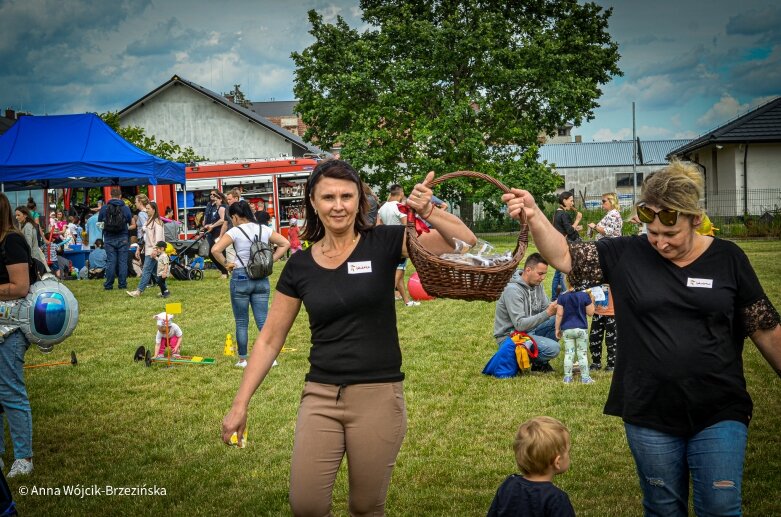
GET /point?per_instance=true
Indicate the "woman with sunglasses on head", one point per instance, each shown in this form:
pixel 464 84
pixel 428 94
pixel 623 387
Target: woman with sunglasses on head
pixel 603 323
pixel 353 400
pixel 685 303
pixel 214 218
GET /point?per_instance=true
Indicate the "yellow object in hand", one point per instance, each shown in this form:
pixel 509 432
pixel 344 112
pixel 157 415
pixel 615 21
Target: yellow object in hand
pixel 235 439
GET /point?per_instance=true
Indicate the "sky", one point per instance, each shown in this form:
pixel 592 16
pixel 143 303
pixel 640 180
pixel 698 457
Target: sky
pixel 689 65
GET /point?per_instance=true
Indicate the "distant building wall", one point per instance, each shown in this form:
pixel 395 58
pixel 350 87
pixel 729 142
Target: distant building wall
pixel 212 130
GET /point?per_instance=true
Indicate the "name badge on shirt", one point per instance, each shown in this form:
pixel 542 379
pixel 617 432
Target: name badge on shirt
pixel 356 268
pixel 707 283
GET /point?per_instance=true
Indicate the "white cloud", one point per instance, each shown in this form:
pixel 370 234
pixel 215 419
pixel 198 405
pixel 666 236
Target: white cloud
pixel 726 108
pixel 608 135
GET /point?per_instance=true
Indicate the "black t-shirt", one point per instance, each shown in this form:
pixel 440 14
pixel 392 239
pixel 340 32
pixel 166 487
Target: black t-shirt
pixel 519 497
pixel 212 215
pixel 679 366
pixel 563 223
pixel 262 217
pixel 15 251
pixel 352 315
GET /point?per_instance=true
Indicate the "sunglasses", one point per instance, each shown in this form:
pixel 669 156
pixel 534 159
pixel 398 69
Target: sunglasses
pixel 666 216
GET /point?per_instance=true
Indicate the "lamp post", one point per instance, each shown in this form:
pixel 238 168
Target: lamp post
pixel 634 157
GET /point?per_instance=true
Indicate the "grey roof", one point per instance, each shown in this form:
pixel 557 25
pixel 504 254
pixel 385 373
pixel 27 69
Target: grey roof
pixel 762 124
pixel 263 121
pixel 607 154
pixel 274 108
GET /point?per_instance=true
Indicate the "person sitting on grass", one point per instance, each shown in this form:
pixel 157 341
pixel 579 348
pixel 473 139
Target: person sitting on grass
pixel 96 264
pixel 173 338
pixel 541 451
pixel 163 268
pixel 572 327
pixel 524 307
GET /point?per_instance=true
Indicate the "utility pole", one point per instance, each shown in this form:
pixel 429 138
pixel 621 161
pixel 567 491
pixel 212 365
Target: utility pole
pixel 634 157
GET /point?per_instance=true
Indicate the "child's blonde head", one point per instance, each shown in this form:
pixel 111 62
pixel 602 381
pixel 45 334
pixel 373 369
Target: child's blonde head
pixel 538 442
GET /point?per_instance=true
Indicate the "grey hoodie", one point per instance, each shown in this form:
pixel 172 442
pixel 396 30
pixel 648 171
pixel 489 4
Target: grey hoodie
pixel 521 307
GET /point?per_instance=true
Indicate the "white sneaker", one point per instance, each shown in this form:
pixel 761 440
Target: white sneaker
pixel 275 363
pixel 412 303
pixel 134 294
pixel 242 363
pixel 20 468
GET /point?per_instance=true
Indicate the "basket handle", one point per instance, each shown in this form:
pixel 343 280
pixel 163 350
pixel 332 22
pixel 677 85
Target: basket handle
pixel 467 174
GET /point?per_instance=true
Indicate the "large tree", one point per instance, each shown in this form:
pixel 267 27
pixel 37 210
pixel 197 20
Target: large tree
pixel 449 85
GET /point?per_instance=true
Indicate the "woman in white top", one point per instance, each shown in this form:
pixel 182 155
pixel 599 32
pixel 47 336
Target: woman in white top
pixel 244 290
pixel 153 233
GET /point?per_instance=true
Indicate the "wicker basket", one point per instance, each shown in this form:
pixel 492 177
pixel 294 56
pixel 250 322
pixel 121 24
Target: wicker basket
pixel 445 279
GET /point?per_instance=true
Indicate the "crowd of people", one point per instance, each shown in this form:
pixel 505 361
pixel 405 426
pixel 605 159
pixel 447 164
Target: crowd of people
pixel 671 306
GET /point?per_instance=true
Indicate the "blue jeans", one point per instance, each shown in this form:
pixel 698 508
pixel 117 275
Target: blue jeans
pixel 148 272
pixel 13 396
pixel 246 292
pixel 714 457
pixel 544 335
pixel 116 246
pixel 558 281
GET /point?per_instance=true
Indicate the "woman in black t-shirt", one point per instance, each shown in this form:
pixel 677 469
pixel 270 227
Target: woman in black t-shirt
pixel 684 303
pixel 563 223
pixel 14 285
pixel 213 219
pixel 353 400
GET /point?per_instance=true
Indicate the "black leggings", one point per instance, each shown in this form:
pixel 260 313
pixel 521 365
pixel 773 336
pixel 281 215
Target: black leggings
pixel 219 266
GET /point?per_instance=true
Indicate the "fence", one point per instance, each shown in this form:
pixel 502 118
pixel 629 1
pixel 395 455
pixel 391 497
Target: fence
pixel 738 213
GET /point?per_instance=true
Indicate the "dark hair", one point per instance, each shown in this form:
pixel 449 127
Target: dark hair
pixel 115 192
pixel 99 243
pixel 223 199
pixel 161 244
pixel 241 209
pixel 340 170
pixel 534 259
pixel 396 189
pixel 28 217
pixel 565 195
pixel 6 218
pixel 31 203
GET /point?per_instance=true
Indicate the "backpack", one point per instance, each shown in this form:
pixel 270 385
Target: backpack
pixel 114 220
pixel 261 257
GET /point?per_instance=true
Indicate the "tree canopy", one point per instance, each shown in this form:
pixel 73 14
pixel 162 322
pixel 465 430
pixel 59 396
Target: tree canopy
pixel 453 85
pixel 169 150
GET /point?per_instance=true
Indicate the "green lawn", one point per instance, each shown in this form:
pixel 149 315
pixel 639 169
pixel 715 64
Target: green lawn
pixel 112 422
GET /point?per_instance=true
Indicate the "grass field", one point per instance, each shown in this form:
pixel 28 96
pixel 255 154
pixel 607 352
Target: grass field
pixel 112 422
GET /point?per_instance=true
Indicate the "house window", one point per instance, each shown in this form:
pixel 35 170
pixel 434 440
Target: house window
pixel 563 131
pixel 624 180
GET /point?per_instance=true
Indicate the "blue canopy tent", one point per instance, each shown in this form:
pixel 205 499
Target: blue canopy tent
pixel 75 151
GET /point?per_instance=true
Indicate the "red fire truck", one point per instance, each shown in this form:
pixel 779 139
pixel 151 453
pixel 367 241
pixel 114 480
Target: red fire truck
pixel 279 182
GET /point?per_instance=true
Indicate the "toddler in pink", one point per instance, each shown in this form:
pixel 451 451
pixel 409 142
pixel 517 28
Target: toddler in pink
pixel 174 339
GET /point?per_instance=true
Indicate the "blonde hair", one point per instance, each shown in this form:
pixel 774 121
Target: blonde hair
pixel 679 186
pixel 538 442
pixel 612 198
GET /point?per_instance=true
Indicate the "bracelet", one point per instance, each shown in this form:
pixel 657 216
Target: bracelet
pixel 430 212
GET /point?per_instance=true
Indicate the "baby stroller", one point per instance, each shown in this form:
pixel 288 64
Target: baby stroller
pixel 182 262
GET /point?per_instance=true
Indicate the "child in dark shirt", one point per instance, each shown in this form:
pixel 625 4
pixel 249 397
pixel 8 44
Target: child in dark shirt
pixel 541 450
pixel 572 328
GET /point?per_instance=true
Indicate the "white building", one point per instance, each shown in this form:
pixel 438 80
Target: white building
pixel 216 128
